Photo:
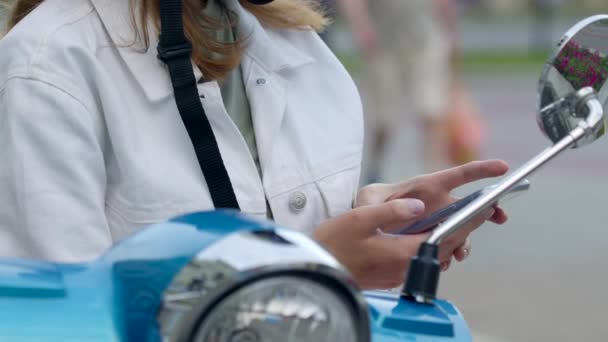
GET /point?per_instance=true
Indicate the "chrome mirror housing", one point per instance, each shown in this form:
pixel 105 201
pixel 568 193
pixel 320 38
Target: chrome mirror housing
pixel 577 69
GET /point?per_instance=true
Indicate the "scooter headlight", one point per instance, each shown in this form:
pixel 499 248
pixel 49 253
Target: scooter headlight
pixel 283 308
pixel 263 286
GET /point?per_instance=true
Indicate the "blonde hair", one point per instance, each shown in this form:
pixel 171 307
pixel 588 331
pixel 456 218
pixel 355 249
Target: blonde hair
pixel 215 58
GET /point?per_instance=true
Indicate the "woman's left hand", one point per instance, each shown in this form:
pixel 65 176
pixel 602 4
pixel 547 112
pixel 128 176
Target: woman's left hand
pixel 434 190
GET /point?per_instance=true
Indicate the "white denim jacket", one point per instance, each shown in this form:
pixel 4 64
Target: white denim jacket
pixel 93 148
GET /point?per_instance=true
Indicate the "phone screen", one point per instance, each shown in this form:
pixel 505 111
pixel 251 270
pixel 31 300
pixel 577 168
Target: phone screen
pixel 441 215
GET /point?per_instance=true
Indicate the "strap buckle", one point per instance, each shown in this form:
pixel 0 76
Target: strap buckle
pixel 172 52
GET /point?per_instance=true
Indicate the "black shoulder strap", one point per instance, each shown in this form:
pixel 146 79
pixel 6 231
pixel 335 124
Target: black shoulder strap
pixel 176 51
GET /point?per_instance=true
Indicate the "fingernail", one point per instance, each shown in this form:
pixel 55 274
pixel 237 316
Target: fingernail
pixel 466 252
pixel 415 206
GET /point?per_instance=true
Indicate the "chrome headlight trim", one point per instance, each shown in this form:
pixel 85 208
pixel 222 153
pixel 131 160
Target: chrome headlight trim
pixel 207 280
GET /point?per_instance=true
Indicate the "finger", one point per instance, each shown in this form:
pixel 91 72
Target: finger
pixel 499 217
pixel 449 246
pixel 446 265
pixel 374 194
pixel 475 223
pixel 398 227
pixel 367 219
pixel 473 171
pixel 417 207
pixel 463 251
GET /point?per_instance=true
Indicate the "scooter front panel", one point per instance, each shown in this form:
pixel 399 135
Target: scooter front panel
pixel 396 319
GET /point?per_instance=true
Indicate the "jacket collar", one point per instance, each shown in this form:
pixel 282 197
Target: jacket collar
pixel 266 47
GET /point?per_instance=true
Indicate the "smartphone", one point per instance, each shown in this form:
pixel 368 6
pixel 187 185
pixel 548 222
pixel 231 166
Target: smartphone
pixel 441 215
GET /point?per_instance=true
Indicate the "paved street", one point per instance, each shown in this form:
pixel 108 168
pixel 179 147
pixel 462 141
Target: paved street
pixel 541 277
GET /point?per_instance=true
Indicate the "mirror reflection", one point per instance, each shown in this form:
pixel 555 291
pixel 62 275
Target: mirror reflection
pixel 581 61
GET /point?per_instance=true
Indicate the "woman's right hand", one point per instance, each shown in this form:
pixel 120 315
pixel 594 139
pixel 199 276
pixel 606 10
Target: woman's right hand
pixel 362 241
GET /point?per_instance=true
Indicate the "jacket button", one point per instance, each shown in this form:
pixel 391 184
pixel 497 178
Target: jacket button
pixel 260 81
pixel 297 201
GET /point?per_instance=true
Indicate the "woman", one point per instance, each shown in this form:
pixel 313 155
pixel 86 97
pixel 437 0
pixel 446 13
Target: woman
pixel 95 148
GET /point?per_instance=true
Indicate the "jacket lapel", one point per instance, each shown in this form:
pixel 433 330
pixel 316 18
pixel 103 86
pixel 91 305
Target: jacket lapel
pixel 268 54
pixel 267 93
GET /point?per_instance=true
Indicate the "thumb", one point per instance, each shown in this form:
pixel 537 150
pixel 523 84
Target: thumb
pixel 374 194
pixel 367 219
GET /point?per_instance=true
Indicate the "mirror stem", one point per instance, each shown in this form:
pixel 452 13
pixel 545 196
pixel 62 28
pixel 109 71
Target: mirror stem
pixel 423 275
pixel 488 199
pixel 590 101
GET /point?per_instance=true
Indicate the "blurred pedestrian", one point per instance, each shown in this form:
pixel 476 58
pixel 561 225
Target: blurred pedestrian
pixel 410 49
pixel 543 25
pixel 2 18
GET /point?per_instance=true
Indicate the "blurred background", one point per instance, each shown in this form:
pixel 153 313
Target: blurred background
pixel 543 276
pixel 2 18
pixel 457 80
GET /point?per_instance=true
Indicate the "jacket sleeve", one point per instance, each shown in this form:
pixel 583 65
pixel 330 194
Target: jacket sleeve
pixel 52 175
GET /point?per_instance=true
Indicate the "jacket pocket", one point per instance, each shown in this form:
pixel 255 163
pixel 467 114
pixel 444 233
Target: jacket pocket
pixel 338 191
pixel 306 206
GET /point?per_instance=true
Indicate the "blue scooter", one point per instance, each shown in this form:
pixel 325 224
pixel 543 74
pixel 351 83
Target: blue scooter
pixel 202 277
